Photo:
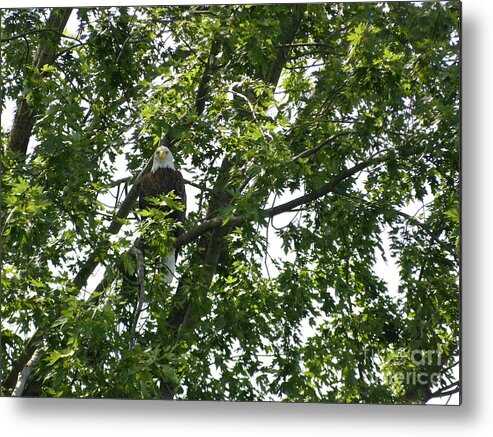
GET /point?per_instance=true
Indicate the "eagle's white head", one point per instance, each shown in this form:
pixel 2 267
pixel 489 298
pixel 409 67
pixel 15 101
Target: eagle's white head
pixel 162 159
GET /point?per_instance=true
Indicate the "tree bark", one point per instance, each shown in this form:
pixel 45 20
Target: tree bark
pixel 45 55
pixel 31 347
pixel 289 33
pixel 26 373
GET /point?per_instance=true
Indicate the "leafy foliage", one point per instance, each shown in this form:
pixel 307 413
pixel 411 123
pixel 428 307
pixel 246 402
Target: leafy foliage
pixel 316 139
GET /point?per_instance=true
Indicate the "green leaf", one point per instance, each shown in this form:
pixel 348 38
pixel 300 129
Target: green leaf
pixel 129 264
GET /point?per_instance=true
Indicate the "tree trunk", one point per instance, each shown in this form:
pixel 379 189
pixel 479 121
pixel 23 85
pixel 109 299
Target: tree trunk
pixel 45 55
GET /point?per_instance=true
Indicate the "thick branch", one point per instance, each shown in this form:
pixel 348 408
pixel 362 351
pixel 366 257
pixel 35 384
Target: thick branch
pixel 11 379
pixel 204 227
pixel 45 55
pixel 324 190
pixel 26 373
pixel 329 187
pixel 289 33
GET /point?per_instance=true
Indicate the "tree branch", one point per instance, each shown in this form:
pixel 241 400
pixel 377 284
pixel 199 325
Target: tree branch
pixel 214 223
pixel 445 391
pixel 31 32
pixel 329 140
pixel 139 257
pixel 283 49
pixel 203 88
pixel 45 55
pixel 412 220
pixel 26 373
pixel 120 181
pixel 428 230
pixel 31 347
pixel 206 226
pixel 327 188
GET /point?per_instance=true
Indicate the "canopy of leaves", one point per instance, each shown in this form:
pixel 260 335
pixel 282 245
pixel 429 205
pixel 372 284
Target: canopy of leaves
pixel 315 140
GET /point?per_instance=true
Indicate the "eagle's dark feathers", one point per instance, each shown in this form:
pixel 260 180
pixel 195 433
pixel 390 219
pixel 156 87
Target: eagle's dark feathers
pixel 163 181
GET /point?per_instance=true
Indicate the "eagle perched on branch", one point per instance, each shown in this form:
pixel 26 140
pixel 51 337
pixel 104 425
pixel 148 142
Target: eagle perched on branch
pixel 163 179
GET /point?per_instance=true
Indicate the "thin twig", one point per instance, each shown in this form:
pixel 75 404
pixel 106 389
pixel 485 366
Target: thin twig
pixel 4 224
pixel 299 67
pixel 23 35
pixel 194 52
pixel 305 45
pixel 73 46
pixel 194 184
pixel 314 150
pixel 443 392
pixel 139 257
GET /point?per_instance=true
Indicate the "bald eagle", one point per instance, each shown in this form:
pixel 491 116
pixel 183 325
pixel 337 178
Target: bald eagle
pixel 163 179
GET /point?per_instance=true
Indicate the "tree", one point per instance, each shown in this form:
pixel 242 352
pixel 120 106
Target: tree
pixel 339 121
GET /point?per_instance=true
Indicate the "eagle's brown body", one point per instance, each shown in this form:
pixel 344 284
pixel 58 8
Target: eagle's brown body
pixel 164 181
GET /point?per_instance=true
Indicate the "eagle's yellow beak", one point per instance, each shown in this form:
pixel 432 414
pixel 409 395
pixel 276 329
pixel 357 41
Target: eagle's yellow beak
pixel 162 154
